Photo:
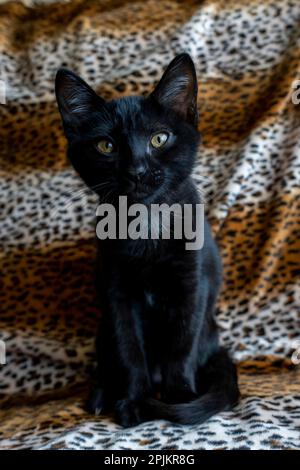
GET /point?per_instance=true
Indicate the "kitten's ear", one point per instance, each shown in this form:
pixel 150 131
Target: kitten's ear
pixel 76 100
pixel 178 88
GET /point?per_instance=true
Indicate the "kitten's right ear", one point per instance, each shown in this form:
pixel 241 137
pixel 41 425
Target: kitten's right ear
pixel 75 98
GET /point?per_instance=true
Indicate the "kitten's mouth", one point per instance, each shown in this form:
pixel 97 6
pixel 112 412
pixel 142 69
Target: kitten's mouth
pixel 138 190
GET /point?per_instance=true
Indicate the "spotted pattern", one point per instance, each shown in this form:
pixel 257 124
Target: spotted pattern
pixel 247 58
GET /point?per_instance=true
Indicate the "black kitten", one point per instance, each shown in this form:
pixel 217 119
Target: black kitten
pixel 158 337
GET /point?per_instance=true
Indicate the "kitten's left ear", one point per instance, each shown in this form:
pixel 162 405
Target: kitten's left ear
pixel 178 88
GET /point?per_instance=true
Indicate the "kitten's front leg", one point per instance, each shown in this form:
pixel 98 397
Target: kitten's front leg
pixel 179 354
pixel 122 371
pixel 133 381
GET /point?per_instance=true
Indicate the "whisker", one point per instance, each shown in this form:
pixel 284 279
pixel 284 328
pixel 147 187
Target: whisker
pixel 196 176
pixel 68 200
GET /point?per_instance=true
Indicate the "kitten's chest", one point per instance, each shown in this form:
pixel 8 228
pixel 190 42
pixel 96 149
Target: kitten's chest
pixel 145 253
pixel 153 282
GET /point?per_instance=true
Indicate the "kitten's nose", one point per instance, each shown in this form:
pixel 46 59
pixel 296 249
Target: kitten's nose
pixel 136 172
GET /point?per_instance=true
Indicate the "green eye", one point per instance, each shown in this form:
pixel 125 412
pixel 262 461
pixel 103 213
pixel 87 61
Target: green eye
pixel 159 139
pixel 105 146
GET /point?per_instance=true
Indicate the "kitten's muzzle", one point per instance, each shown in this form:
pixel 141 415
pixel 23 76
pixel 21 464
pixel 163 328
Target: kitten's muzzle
pixel 136 173
pixel 134 177
pixel 134 185
pixel 141 182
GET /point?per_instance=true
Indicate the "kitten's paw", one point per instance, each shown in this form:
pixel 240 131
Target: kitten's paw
pixel 128 413
pixel 95 403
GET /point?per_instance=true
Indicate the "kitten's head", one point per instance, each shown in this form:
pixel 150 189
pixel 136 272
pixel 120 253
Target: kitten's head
pixel 142 147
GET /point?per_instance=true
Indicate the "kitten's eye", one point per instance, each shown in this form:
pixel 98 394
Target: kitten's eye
pixel 105 146
pixel 158 140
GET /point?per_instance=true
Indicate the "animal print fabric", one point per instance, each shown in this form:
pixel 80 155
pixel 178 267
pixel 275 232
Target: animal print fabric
pixel 247 55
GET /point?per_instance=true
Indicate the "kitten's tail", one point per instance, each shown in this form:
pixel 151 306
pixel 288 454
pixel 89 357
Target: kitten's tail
pixel 222 394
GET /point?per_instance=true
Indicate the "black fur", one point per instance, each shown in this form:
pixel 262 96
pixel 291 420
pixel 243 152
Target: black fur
pixel 157 347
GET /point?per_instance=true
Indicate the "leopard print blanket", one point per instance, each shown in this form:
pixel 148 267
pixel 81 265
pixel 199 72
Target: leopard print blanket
pixel 247 55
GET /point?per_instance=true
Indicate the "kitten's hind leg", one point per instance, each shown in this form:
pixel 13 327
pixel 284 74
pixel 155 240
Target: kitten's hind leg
pixel 101 399
pixel 220 393
pixel 217 379
pixel 96 402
